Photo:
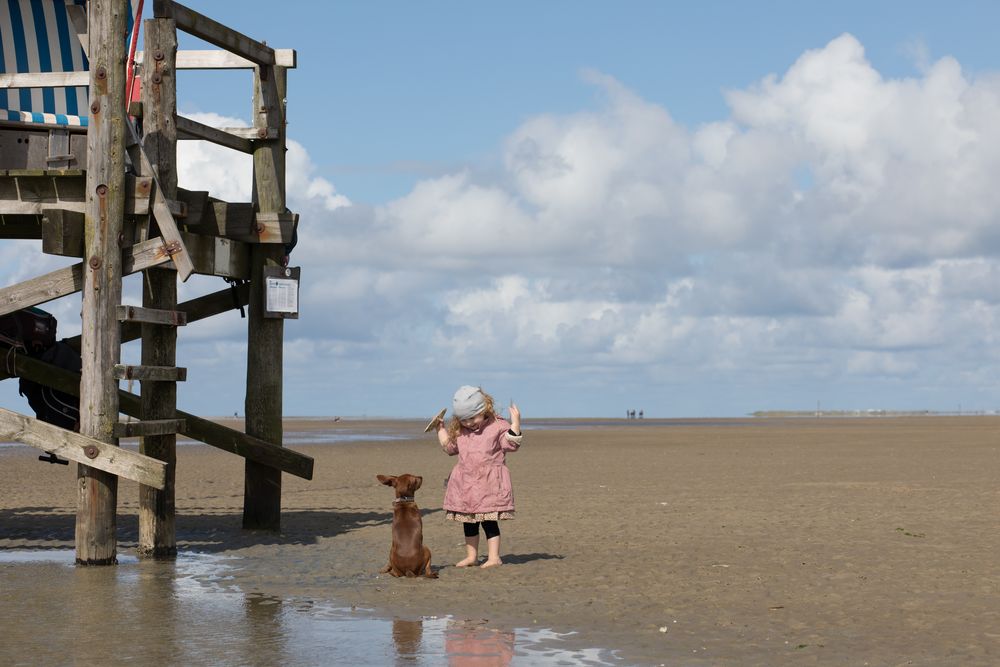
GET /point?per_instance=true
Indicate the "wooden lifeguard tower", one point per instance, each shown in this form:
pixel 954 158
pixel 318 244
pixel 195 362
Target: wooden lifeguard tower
pixel 103 188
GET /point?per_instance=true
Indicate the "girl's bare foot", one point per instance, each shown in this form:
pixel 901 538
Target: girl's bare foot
pixel 491 563
pixel 466 562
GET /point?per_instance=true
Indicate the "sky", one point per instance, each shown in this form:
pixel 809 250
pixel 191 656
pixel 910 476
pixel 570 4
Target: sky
pixel 691 209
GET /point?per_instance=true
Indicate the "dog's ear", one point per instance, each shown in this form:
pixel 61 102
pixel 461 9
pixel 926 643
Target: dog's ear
pixel 388 480
pixel 420 480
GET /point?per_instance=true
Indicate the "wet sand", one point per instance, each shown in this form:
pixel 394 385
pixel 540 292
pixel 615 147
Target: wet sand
pixel 770 541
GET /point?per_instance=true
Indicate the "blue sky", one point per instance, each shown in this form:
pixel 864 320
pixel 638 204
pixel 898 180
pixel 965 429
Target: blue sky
pixel 694 209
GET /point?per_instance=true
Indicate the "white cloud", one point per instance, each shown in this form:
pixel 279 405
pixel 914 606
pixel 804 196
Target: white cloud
pixel 838 227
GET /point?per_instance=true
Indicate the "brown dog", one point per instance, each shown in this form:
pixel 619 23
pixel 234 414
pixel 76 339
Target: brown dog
pixel 408 556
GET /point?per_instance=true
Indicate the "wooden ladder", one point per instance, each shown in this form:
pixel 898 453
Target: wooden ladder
pixel 149 373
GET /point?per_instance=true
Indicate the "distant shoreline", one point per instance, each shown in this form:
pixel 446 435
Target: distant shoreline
pixel 872 413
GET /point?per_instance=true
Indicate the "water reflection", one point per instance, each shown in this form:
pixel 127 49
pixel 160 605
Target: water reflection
pixel 469 644
pixel 406 637
pixel 465 643
pixel 194 611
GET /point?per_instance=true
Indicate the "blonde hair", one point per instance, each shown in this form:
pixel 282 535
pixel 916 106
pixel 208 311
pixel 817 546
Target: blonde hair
pixel 455 425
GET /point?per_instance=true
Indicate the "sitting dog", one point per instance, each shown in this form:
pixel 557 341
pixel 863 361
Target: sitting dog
pixel 408 556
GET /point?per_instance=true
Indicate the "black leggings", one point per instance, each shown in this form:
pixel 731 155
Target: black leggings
pixel 491 528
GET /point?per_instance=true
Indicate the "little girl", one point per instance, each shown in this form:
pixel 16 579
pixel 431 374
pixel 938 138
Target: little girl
pixel 479 488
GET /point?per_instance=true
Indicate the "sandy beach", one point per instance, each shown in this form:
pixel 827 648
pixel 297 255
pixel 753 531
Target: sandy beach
pixel 868 541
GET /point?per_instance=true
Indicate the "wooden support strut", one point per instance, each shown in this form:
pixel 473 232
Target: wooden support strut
pixel 150 373
pixel 161 211
pixel 196 428
pixel 88 451
pixel 63 282
pixel 173 318
pixel 148 428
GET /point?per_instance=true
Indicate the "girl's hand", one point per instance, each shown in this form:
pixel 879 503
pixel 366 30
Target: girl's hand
pixel 442 434
pixel 515 418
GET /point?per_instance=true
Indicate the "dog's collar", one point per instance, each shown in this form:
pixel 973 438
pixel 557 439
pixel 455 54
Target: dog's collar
pixel 404 499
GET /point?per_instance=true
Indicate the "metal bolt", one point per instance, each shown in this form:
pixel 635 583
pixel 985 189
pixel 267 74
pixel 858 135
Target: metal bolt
pixel 95 263
pixel 90 451
pixel 102 190
pixel 95 107
pixel 158 55
pixel 157 78
pixel 102 72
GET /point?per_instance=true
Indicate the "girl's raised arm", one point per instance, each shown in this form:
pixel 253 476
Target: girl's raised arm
pixel 515 419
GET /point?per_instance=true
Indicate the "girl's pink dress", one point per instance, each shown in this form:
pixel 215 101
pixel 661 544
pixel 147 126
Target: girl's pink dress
pixel 479 487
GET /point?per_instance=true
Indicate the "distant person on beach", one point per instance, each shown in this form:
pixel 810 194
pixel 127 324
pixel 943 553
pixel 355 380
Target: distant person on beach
pixel 479 487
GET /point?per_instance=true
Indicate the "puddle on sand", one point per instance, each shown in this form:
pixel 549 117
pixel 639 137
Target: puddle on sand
pixel 189 611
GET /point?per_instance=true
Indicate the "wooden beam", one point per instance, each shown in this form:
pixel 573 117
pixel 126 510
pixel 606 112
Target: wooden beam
pixel 213 256
pixel 211 216
pixel 196 309
pixel 150 373
pixel 62 233
pixel 214 32
pixel 41 289
pixel 146 255
pixel 161 210
pixel 146 429
pixel 265 336
pixel 88 451
pixel 220 59
pixel 174 318
pixel 157 535
pixel 192 129
pixel 276 227
pixel 78 17
pixel 36 192
pixel 44 79
pixel 63 282
pixel 97 499
pixel 196 428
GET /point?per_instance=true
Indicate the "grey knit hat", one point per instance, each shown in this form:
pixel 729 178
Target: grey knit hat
pixel 468 402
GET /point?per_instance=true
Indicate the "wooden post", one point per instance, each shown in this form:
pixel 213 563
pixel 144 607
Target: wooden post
pixel 262 487
pixel 97 499
pixel 157 536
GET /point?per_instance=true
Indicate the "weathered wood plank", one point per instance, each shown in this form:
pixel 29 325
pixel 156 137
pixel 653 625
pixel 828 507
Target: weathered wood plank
pixel 88 451
pixel 44 79
pixel 96 515
pixel 192 129
pixel 265 336
pixel 149 428
pixel 221 59
pixel 213 256
pixel 159 295
pixel 43 191
pixel 41 289
pixel 196 309
pixel 161 210
pixel 196 428
pixel 150 373
pixel 62 233
pixel 276 227
pixel 145 255
pixel 174 318
pixel 62 282
pixel 214 32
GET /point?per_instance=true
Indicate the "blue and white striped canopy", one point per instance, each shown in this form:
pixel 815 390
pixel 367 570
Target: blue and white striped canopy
pixel 38 36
